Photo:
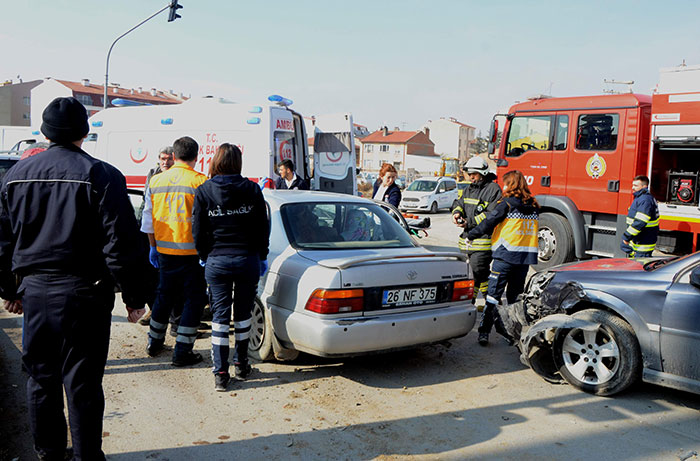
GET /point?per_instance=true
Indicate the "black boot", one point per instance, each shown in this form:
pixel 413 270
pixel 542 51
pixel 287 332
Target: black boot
pixel 501 330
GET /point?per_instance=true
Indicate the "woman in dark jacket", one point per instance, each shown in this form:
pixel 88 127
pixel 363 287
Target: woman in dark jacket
pixel 514 225
pixel 232 235
pixel 384 188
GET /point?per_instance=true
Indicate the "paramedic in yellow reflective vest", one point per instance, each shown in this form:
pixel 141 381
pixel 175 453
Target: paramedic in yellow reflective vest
pixel 514 242
pixel 639 239
pixel 167 219
pixel 479 198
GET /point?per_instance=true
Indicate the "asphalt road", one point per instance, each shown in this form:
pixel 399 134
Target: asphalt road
pixel 438 402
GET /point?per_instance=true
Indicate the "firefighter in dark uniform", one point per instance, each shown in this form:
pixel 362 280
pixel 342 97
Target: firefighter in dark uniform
pixel 477 200
pixel 69 235
pixel 514 224
pixel 639 239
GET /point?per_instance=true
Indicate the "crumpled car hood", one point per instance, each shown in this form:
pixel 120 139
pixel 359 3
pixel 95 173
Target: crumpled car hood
pixel 535 325
pixel 620 264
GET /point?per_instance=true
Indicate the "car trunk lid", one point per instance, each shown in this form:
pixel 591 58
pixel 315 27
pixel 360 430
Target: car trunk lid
pixel 398 279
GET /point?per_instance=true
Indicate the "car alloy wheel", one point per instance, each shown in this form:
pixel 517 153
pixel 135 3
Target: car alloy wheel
pixel 602 361
pixel 260 345
pixel 591 357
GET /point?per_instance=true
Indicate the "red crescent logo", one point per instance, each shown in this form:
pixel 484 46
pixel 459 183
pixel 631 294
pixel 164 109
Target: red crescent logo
pixel 135 160
pixel 339 154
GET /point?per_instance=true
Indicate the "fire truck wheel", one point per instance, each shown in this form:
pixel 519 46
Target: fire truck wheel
pixel 555 240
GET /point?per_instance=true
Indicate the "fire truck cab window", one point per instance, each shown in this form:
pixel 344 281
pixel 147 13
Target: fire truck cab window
pixel 528 133
pixel 597 132
pixel 561 134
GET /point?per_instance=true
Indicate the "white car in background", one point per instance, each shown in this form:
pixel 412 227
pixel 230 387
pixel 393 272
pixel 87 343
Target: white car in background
pixel 430 194
pixel 346 279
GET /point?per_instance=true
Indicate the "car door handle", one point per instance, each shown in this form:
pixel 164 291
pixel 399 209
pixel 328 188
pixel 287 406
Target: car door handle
pixel 546 181
pixel 614 185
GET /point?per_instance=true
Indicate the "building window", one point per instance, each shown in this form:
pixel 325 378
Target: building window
pixel 25 116
pixel 85 99
pixel 384 148
pixel 397 165
pixel 368 147
pixel 368 163
pixel 26 100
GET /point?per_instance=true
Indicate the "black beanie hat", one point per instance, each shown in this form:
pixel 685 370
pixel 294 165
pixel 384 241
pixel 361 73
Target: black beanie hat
pixel 65 120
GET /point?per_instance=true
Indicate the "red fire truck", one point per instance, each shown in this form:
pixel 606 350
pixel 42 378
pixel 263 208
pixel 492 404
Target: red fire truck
pixel 580 154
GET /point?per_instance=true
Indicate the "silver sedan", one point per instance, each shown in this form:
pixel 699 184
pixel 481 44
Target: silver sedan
pixel 346 279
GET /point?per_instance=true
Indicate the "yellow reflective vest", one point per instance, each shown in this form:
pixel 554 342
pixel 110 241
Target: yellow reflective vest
pixel 172 197
pixel 514 225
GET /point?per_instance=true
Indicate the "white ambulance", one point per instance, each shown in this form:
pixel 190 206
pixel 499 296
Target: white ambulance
pixel 130 137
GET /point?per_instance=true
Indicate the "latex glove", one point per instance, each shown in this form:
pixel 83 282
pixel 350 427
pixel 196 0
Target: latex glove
pixel 263 267
pixel 153 257
pixel 134 314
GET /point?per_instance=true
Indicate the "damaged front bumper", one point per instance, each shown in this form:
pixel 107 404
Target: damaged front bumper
pixel 539 317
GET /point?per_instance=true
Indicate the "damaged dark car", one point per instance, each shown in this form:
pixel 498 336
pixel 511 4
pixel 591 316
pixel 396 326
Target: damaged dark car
pixel 602 325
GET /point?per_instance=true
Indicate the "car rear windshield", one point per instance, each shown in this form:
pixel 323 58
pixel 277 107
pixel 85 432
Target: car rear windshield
pixel 342 226
pixel 422 186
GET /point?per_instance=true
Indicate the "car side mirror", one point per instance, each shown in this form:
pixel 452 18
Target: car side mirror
pixel 695 277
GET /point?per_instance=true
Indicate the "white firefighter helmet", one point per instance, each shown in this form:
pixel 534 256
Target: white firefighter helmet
pixel 476 165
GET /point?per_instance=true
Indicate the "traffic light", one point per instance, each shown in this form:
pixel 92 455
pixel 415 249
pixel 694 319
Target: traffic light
pixel 172 14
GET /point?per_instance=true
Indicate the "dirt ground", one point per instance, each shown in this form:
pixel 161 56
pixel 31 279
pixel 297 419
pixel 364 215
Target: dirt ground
pixel 451 402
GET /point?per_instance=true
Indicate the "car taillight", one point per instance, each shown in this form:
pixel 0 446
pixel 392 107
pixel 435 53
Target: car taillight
pixel 462 290
pixel 335 301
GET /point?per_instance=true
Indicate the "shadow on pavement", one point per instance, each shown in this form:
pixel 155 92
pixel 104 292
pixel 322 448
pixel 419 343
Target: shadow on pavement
pixel 442 433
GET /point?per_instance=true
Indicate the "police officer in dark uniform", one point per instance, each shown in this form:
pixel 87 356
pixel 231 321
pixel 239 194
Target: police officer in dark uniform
pixel 478 199
pixel 69 234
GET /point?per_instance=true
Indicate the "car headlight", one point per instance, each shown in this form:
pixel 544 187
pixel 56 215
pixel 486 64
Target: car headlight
pixel 538 283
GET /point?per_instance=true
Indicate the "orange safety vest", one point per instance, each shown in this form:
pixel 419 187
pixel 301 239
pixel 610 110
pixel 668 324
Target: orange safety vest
pixel 172 197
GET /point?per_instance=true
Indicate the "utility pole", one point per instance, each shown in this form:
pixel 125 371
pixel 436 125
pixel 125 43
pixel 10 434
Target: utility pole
pixel 172 6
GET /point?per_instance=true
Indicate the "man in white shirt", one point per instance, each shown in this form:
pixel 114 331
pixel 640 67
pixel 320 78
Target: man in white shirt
pixel 288 178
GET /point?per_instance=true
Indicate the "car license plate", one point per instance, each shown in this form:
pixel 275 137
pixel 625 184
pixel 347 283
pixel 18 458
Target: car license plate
pixel 409 296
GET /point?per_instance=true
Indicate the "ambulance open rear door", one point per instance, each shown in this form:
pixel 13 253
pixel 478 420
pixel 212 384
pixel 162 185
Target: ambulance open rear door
pixel 334 154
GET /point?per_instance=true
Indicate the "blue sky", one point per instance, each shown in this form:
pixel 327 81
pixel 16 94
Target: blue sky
pixel 395 63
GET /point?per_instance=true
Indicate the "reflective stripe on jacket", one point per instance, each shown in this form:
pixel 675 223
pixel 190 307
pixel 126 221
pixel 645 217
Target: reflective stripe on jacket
pixel 172 196
pixel 477 200
pixel 514 225
pixel 642 222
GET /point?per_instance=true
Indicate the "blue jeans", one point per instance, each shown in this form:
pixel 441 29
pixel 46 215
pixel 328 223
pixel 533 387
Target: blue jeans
pixel 504 277
pixel 222 273
pixel 182 285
